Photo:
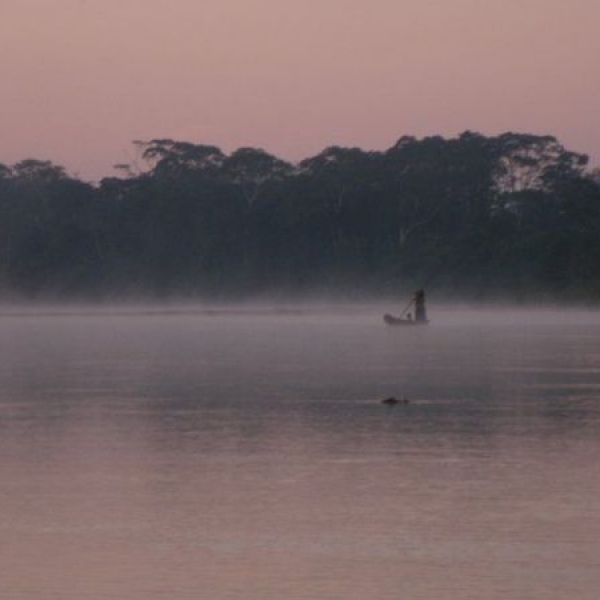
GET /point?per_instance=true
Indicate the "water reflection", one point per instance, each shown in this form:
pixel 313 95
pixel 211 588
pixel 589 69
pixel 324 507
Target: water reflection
pixel 236 456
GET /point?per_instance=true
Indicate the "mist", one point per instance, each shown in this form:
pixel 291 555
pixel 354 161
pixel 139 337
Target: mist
pixel 299 300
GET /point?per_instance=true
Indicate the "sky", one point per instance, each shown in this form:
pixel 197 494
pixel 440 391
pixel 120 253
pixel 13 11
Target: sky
pixel 82 79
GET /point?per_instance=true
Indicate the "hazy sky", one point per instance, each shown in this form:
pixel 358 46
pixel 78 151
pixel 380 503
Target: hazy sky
pixel 81 79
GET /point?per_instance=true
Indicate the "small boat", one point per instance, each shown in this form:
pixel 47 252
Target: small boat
pixel 391 320
pixel 420 314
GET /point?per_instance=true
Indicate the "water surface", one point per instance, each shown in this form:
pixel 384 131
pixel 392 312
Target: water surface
pixel 245 454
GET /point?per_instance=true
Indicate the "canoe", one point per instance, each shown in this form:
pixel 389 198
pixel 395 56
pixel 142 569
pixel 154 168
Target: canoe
pixel 391 320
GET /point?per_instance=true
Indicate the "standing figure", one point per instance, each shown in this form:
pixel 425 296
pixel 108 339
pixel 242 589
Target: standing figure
pixel 420 313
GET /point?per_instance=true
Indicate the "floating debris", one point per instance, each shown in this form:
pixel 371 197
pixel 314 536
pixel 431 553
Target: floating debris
pixel 391 401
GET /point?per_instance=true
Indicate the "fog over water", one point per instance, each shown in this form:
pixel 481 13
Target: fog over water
pixel 243 452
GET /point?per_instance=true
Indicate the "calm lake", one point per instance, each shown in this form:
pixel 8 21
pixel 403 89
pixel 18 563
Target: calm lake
pixel 245 454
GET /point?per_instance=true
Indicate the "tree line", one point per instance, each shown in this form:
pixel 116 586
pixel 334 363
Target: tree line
pixel 516 215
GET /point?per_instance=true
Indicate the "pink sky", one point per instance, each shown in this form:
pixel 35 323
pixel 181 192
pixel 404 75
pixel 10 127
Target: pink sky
pixel 81 79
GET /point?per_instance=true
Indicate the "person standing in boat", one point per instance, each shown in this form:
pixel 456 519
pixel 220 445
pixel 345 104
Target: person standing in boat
pixel 420 313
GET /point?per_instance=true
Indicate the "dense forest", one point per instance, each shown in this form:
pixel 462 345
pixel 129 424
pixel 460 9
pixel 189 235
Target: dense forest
pixel 515 215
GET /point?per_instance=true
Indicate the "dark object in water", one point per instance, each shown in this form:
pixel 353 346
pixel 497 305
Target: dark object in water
pixel 391 401
pixel 420 313
pixel 391 320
